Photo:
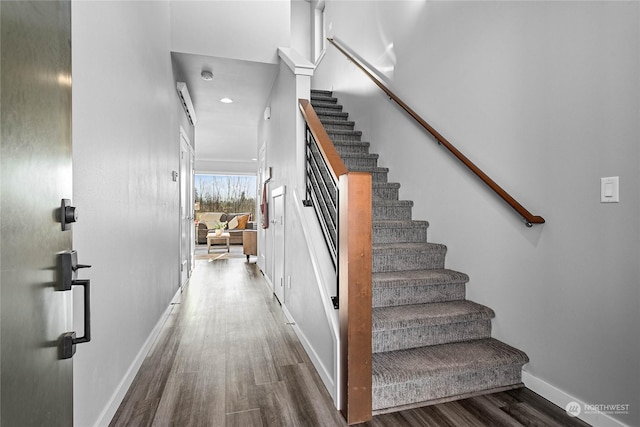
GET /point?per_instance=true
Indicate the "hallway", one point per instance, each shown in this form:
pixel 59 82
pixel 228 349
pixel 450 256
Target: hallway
pixel 226 357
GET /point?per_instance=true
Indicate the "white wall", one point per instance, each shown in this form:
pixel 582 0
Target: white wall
pixel 545 97
pixel 125 146
pixel 247 30
pixel 301 28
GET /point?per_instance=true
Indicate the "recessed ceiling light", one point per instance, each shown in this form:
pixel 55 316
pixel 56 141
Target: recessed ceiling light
pixel 206 75
pixel 254 159
pixel 226 100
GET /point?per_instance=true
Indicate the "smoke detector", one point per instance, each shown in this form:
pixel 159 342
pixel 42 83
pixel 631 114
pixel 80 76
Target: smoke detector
pixel 206 75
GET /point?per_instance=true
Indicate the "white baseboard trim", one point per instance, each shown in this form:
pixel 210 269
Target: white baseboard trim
pixel 118 395
pixel 562 399
pixel 325 376
pixel 268 281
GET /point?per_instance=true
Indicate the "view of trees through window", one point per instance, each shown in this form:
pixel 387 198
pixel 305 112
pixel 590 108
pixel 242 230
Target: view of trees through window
pixel 223 193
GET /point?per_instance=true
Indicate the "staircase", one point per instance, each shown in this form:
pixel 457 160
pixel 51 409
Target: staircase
pixel 430 344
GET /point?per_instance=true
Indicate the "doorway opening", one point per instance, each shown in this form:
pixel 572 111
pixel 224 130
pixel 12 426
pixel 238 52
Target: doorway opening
pixel 225 205
pixel 225 194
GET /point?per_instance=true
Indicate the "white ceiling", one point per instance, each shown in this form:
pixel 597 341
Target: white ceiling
pixel 226 133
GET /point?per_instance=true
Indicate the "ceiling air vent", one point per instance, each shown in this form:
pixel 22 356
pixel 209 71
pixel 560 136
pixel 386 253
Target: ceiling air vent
pixel 183 93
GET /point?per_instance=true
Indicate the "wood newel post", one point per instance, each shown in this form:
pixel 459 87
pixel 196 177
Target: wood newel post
pixel 355 264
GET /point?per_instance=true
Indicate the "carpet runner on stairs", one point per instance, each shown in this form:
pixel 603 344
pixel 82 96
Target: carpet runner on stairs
pixel 430 344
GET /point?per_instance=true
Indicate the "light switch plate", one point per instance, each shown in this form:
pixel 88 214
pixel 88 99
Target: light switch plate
pixel 610 189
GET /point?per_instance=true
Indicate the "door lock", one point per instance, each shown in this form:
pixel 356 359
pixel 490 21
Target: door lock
pixel 68 270
pixel 68 214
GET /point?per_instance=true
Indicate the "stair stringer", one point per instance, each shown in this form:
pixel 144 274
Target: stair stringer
pixel 326 280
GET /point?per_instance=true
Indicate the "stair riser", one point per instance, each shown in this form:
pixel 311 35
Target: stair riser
pixel 401 339
pixel 345 136
pixel 327 110
pixel 321 92
pixel 385 193
pixel 347 125
pixel 360 162
pixel 351 149
pixel 327 105
pixel 382 213
pixel 379 176
pixel 325 99
pixel 437 387
pixel 400 235
pixel 332 115
pixel 387 297
pixel 410 259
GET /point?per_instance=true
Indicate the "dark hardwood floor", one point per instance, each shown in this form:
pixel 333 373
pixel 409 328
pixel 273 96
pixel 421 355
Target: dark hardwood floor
pixel 227 357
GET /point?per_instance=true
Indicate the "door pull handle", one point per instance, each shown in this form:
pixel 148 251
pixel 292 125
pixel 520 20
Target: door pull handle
pixel 69 340
pixel 67 279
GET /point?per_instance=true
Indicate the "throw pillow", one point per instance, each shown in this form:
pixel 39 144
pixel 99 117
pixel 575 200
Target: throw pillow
pixel 242 221
pixel 211 224
pixel 233 224
pixel 210 217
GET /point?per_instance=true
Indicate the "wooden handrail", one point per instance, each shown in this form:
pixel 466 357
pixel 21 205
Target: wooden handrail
pixel 529 218
pixel 336 165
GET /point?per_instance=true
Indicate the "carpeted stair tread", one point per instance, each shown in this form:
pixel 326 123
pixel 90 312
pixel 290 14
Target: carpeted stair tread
pixel 322 92
pixel 385 190
pixel 423 375
pixel 389 247
pixel 343 132
pixel 391 209
pixel 359 156
pixel 399 231
pixel 326 104
pixel 332 114
pixel 417 287
pixel 392 203
pixel 339 125
pixel 331 121
pixel 349 142
pixel 401 279
pixel 386 185
pixel 439 313
pixel 355 147
pixel 403 327
pixel 368 169
pixel 315 99
pixel 329 106
pixel 407 256
pixel 412 223
pixel 395 367
pixel 338 142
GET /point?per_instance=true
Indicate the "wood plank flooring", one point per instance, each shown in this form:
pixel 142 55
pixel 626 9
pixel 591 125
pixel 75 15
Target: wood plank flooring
pixel 227 357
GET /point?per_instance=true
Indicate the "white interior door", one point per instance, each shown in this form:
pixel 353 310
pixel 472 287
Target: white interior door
pixel 277 222
pixel 187 230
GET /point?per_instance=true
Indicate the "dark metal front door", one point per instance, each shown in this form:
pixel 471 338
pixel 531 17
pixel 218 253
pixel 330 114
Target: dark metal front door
pixel 36 385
